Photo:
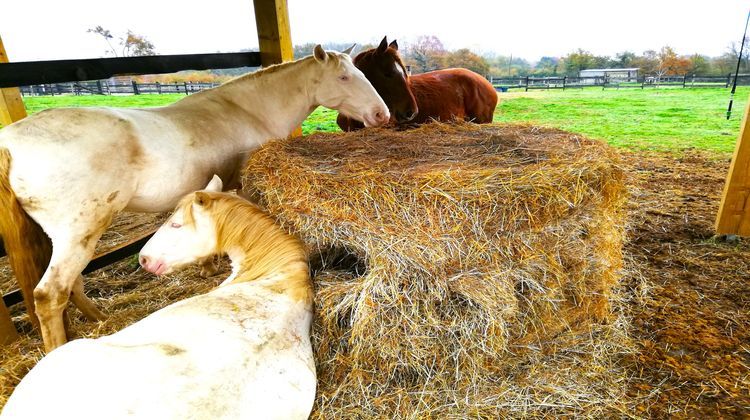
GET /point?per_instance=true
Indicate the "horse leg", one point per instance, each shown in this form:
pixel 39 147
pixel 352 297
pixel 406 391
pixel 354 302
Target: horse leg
pixel 70 254
pixel 83 303
pixel 208 266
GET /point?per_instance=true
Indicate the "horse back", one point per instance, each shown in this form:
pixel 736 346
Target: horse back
pixel 453 94
pixel 236 352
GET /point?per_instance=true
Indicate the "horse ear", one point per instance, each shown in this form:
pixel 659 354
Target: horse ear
pixel 215 184
pixel 202 199
pixel 349 50
pixel 320 54
pixel 383 45
pixel 393 45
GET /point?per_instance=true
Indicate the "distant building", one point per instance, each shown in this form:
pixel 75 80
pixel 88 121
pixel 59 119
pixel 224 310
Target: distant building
pixel 629 73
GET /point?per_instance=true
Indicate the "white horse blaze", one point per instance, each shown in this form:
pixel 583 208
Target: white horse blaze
pixel 74 169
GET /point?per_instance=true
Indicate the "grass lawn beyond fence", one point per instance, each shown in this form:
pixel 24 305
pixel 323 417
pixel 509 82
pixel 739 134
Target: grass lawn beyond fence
pixel 662 120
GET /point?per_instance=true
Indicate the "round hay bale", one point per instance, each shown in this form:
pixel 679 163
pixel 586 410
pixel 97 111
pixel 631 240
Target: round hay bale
pixel 490 257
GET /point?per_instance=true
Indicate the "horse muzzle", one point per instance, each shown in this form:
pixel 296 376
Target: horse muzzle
pixel 378 117
pixel 402 117
pixel 152 265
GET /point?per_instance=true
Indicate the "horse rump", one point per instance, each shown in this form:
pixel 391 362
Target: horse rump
pixel 28 247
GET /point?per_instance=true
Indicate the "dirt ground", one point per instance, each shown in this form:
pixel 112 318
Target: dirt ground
pixel 690 302
pixel 691 323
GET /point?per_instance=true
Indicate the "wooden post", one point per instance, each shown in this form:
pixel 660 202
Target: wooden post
pixel 274 35
pixel 11 110
pixel 11 103
pixel 734 210
pixel 8 332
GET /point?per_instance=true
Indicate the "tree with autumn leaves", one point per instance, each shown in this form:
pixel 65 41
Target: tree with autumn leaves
pixel 671 64
pixel 131 44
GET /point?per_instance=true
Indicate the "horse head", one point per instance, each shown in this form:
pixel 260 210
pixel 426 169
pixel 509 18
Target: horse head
pixel 384 68
pixel 187 236
pixel 343 87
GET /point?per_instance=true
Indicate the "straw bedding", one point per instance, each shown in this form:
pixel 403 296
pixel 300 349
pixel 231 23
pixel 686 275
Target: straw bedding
pixel 479 271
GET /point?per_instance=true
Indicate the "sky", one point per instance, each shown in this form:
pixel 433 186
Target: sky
pixel 56 29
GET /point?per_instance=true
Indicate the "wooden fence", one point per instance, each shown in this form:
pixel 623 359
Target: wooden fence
pixel 109 87
pixel 572 82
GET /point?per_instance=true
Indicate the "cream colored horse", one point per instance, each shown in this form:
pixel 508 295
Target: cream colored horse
pixel 72 169
pixel 241 351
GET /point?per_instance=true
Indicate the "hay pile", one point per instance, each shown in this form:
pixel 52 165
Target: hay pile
pixel 491 256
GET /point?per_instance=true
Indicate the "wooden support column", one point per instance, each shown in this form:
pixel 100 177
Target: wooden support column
pixel 274 35
pixel 734 210
pixel 11 110
pixel 11 104
pixel 8 332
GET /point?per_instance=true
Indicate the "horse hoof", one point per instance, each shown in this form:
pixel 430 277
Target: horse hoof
pixel 208 269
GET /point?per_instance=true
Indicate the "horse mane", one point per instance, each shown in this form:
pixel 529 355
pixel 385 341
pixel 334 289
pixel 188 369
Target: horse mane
pixel 281 66
pixel 368 54
pixel 270 252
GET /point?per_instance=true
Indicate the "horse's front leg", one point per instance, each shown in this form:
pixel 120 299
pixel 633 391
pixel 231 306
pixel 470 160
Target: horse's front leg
pixel 70 254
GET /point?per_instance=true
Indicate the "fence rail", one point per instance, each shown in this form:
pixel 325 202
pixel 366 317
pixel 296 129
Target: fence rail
pixel 573 82
pixel 108 87
pixel 59 71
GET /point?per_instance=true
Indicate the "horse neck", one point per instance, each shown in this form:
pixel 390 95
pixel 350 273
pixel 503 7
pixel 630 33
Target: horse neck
pixel 263 253
pixel 278 96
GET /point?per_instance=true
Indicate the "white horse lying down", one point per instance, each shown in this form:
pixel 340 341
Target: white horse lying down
pixel 73 169
pixel 241 351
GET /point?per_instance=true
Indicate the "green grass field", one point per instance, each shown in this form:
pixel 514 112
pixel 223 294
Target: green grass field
pixel 661 120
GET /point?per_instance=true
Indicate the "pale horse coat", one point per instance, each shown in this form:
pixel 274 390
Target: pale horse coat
pixel 241 351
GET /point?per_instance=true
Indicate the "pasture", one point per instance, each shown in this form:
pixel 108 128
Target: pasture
pixel 659 120
pixel 686 294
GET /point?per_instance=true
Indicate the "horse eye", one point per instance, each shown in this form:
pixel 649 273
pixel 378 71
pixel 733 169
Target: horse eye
pixel 175 225
pixel 344 77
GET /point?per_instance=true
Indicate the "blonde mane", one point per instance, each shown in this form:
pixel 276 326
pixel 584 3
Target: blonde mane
pixel 268 250
pixel 335 59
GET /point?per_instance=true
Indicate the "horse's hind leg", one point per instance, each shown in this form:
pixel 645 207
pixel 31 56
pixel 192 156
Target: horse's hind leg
pixel 83 303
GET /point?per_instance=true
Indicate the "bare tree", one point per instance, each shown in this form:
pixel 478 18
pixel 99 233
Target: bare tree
pixel 427 53
pixel 132 44
pixel 106 34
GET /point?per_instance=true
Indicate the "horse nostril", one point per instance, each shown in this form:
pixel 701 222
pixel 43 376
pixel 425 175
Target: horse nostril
pixel 143 260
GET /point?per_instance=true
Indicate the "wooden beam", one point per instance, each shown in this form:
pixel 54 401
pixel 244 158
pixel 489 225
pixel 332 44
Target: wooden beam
pixel 58 71
pixel 734 210
pixel 274 35
pixel 109 257
pixel 11 103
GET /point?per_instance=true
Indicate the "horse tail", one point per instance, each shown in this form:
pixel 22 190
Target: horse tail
pixel 28 247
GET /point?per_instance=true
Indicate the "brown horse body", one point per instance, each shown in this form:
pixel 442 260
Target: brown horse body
pixel 443 95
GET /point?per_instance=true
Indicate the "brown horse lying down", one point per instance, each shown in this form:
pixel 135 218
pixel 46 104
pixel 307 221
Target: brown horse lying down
pixel 440 95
